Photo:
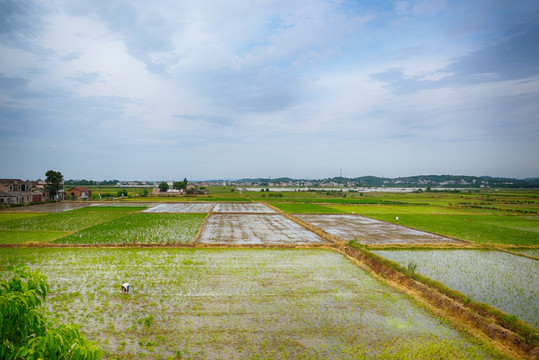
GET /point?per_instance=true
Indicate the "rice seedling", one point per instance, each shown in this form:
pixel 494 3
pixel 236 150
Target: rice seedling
pixel 233 303
pixel 505 281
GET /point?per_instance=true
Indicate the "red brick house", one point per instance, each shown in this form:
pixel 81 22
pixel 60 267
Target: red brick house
pixel 80 193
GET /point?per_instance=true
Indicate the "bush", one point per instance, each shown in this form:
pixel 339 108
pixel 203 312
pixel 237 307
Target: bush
pixel 25 330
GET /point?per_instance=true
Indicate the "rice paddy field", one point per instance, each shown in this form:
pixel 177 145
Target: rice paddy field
pixel 370 231
pixel 260 229
pixel 508 282
pixel 140 228
pixel 199 302
pixel 181 208
pixel 468 224
pixel 238 303
pixel 243 208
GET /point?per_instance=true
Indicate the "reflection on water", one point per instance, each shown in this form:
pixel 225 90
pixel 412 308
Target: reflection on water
pixel 53 207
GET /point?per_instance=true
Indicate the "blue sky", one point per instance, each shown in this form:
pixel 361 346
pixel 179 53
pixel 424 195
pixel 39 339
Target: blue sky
pixel 232 89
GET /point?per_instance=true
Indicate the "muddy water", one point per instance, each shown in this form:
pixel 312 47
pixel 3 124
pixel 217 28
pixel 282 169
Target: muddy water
pixel 54 207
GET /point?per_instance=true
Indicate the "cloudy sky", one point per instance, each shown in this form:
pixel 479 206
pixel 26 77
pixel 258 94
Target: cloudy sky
pixel 212 89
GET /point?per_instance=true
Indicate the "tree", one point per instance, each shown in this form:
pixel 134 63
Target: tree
pixel 25 330
pixel 53 182
pixel 163 187
pixel 122 193
pixel 178 185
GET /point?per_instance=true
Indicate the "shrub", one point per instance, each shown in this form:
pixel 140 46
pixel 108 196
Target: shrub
pixel 25 330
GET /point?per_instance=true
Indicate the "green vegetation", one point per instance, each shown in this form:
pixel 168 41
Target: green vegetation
pixel 66 221
pixel 404 209
pixel 302 208
pixel 21 237
pixel 516 292
pixel 53 182
pixel 26 332
pixel 9 216
pixel 483 229
pixel 529 333
pixel 196 303
pixel 141 228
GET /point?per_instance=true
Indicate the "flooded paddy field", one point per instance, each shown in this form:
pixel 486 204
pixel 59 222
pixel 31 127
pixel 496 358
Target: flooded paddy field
pixel 506 281
pixel 48 208
pixel 243 208
pixel 237 303
pixel 371 231
pixel 255 229
pixel 181 208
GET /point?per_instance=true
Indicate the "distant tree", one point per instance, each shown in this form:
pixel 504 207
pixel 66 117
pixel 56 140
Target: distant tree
pixel 144 193
pixel 122 193
pixel 26 332
pixel 178 185
pixel 163 187
pixel 53 182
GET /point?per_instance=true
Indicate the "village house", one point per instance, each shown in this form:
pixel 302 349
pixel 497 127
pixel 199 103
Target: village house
pixel 39 189
pixel 80 193
pixel 17 191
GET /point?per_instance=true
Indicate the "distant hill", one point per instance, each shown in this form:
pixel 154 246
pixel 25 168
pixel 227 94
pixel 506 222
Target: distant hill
pixel 423 181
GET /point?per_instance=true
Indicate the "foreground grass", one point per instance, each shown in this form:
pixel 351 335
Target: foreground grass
pixel 211 303
pixel 140 228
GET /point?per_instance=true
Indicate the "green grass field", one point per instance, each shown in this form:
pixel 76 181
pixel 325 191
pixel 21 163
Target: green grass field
pixel 405 209
pixel 21 237
pixel 7 216
pixel 65 221
pixel 302 208
pixel 140 228
pixel 483 229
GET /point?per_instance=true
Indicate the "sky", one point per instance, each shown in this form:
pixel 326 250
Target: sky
pixel 163 90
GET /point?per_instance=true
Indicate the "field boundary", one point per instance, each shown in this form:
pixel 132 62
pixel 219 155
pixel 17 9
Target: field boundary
pixel 201 228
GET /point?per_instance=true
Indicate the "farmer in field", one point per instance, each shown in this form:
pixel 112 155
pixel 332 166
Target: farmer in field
pixel 125 288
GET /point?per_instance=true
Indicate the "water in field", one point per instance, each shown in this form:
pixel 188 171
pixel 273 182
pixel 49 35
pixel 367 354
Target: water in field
pixel 52 207
pixel 238 304
pixel 506 281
